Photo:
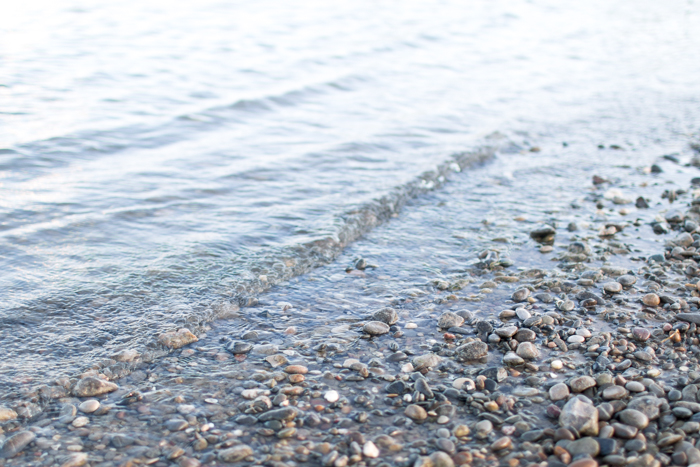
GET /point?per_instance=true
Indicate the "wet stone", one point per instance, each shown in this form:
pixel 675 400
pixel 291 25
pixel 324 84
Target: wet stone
pixel 634 418
pixel 426 361
pixel 528 350
pixel 472 351
pixel 416 412
pixel 582 383
pixel 635 386
pixel 235 454
pixel 7 414
pixel 506 331
pixel 376 328
pixel 92 386
pixel 177 339
pixel 689 317
pixel 614 392
pixel 651 300
pixel 448 320
pixel 525 335
pixel 239 348
pixel 641 334
pixel 121 440
pixel 558 392
pixel 89 406
pixel 612 287
pixel 520 295
pixel 584 446
pixel 386 315
pixel 627 280
pixel 580 414
pixel 16 443
pixel 624 431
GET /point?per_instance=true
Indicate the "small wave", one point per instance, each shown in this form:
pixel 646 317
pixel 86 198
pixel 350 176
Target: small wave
pixel 60 151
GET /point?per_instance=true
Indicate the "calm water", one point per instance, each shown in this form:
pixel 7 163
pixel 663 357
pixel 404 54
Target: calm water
pixel 158 157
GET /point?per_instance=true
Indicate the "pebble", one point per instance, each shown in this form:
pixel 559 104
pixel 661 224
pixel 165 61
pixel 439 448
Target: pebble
pixel 89 406
pixel 641 334
pixel 635 386
pixel 370 450
pixel 449 320
pixel 581 383
pixel 177 339
pixel 614 392
pixel 16 443
pixel 528 350
pixel 559 392
pixel 585 446
pixel 7 414
pixel 376 328
pixel 580 414
pixel 506 331
pixel 472 351
pixel 634 418
pixel 520 295
pixel 416 412
pixel 77 459
pixel 387 316
pixel 91 386
pixel 332 396
pixel 80 422
pixel 651 299
pixel 501 443
pixel 296 370
pixel 235 454
pixel 612 287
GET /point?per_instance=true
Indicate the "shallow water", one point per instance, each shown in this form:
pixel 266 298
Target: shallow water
pixel 156 160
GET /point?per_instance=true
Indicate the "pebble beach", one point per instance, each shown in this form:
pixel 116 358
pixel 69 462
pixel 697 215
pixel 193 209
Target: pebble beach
pixel 569 339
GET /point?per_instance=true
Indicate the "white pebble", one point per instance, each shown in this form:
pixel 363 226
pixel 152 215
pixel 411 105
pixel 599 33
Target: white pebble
pixel 332 396
pixel 411 325
pixel 557 364
pixel 80 422
pixel 370 450
pixel 89 406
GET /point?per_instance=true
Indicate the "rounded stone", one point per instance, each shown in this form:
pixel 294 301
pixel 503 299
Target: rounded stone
pixel 651 299
pixel 416 412
pixel 506 331
pixel 450 320
pixel 386 315
pixel 376 328
pixel 559 392
pixel 581 383
pixel 520 295
pixel 80 422
pixel 641 334
pixel 89 406
pixel 635 386
pixel 634 418
pixel 584 446
pixel 612 287
pixel 501 443
pixel 528 350
pixel 472 351
pixel 614 392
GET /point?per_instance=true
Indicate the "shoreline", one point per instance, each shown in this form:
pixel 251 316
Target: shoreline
pixel 530 351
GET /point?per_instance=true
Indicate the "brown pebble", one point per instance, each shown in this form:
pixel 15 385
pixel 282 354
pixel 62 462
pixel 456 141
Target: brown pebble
pixel 296 378
pixel 651 299
pixel 501 443
pixel 584 463
pixel 296 370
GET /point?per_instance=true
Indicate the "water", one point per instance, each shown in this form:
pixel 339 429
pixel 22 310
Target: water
pixel 158 160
